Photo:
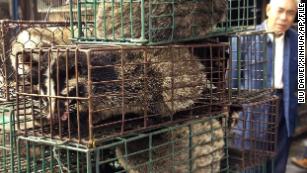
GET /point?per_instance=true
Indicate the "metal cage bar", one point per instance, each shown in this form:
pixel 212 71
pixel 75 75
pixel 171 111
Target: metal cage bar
pixel 250 65
pixel 195 146
pixel 8 136
pixel 87 94
pixel 17 35
pixel 160 22
pixel 253 138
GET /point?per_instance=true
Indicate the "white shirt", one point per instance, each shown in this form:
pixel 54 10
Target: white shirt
pixel 278 59
pixel 278 62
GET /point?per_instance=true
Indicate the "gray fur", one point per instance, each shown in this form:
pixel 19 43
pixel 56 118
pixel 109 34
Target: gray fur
pixel 189 81
pixel 207 150
pixel 192 19
pixel 18 45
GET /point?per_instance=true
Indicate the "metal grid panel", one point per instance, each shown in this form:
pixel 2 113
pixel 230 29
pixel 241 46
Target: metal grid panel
pixel 196 146
pixel 241 16
pixel 43 155
pixel 17 35
pixel 250 66
pixel 149 21
pixel 19 155
pixel 7 135
pixel 160 22
pixel 253 139
pixel 88 94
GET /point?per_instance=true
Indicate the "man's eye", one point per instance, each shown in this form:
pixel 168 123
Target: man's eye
pixel 280 10
pixel 291 13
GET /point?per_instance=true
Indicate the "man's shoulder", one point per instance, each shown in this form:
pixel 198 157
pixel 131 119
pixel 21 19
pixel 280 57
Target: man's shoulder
pixel 292 37
pixel 292 33
pixel 260 27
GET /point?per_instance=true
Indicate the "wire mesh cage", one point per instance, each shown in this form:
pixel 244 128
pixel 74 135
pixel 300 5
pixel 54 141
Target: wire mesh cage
pixel 44 5
pixel 18 155
pixel 7 135
pixel 87 94
pixel 43 155
pixel 241 16
pixel 195 146
pixel 250 66
pixel 17 35
pixel 253 138
pixel 160 22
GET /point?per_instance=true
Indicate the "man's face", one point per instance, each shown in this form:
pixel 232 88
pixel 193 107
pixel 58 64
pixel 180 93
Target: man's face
pixel 281 15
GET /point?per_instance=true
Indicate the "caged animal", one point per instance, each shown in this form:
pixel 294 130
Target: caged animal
pixel 191 18
pixel 159 81
pixel 21 38
pixel 171 151
pixel 23 62
pixel 35 37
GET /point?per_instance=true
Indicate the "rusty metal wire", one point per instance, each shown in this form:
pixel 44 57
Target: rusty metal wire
pixel 250 66
pixel 87 94
pixel 160 22
pixel 8 136
pixel 17 35
pixel 196 146
pixel 253 138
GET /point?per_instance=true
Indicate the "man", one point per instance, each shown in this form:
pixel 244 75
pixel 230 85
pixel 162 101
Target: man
pixel 281 15
pixel 283 66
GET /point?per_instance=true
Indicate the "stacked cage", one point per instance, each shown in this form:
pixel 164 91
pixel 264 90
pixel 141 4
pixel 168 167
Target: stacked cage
pixel 195 146
pixel 126 96
pixel 154 22
pixel 92 93
pixel 255 106
pixel 17 113
pixel 7 136
pixel 17 36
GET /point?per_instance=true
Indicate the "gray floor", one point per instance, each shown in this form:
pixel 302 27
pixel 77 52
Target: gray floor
pixel 297 148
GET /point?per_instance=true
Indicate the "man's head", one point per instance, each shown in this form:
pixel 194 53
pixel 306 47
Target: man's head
pixel 281 14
